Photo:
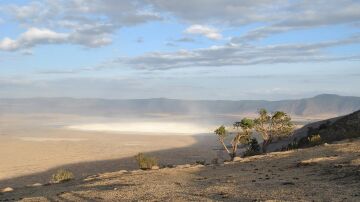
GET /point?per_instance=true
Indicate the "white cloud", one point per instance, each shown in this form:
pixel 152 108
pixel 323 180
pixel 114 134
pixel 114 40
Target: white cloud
pixel 206 31
pixel 32 37
pixel 92 23
pixel 242 54
pixel 87 23
pixel 8 44
pixel 224 12
pixel 279 16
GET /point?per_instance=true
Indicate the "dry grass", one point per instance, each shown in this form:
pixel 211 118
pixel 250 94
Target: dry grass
pixel 62 175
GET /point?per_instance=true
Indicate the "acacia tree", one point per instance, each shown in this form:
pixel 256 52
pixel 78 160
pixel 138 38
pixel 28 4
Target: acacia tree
pixel 222 134
pixel 272 125
pixel 240 136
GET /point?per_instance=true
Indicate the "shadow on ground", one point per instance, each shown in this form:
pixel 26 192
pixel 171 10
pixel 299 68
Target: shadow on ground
pixel 205 148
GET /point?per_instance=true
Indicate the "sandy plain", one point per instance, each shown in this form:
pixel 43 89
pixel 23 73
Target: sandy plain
pixel 33 147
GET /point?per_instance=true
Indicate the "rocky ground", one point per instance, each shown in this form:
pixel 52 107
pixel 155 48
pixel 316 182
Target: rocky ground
pixel 329 172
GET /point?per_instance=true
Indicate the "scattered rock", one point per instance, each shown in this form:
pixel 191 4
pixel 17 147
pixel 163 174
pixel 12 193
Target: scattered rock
pixel 338 165
pixel 183 166
pixel 35 185
pixel 302 163
pixel 170 166
pixel 237 159
pixel 199 166
pixel 137 171
pixel 7 189
pixel 288 183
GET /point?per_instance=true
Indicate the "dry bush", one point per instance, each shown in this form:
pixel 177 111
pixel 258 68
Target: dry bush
pixel 145 162
pixel 315 140
pixel 62 175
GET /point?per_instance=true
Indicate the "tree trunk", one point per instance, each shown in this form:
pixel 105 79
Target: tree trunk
pixel 234 151
pixel 222 142
pixel 266 144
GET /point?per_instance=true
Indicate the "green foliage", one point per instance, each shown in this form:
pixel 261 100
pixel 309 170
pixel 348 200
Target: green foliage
pixel 145 162
pixel 315 140
pixel 245 124
pixel 310 141
pixel 273 125
pixel 253 148
pixel 239 136
pixel 62 176
pixel 254 145
pixel 221 132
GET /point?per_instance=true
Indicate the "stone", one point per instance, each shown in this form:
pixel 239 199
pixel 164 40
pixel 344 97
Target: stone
pixel 184 166
pixel 237 158
pixel 199 166
pixel 155 168
pixel 288 183
pixel 7 189
pixel 35 185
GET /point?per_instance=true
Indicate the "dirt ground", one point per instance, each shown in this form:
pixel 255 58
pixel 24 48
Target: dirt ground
pixel 323 173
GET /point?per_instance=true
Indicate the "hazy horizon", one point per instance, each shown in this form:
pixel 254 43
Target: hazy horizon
pixel 184 99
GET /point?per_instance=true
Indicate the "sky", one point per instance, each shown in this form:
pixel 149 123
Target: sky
pixel 199 49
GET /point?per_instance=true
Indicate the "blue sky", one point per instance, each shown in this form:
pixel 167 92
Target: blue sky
pixel 201 49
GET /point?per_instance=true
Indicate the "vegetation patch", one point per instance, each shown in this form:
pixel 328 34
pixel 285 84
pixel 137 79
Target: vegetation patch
pixel 271 126
pixel 253 148
pixel 145 162
pixel 62 175
pixel 315 140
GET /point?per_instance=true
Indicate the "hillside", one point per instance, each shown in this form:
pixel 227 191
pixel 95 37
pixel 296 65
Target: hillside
pixel 326 105
pixel 322 173
pixel 333 129
pixel 337 128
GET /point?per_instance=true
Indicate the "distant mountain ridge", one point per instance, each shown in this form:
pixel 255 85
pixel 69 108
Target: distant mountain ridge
pixel 325 104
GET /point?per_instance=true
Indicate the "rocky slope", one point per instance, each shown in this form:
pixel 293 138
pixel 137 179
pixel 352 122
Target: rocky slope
pixel 334 129
pixel 323 173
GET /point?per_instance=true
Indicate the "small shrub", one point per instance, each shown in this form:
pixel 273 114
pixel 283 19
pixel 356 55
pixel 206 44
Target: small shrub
pixel 169 166
pixel 62 175
pixel 291 146
pixel 315 140
pixel 145 162
pixel 215 161
pixel 201 162
pixel 253 148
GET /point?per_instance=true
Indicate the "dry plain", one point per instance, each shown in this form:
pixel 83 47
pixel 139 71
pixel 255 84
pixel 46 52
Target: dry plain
pixel 32 147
